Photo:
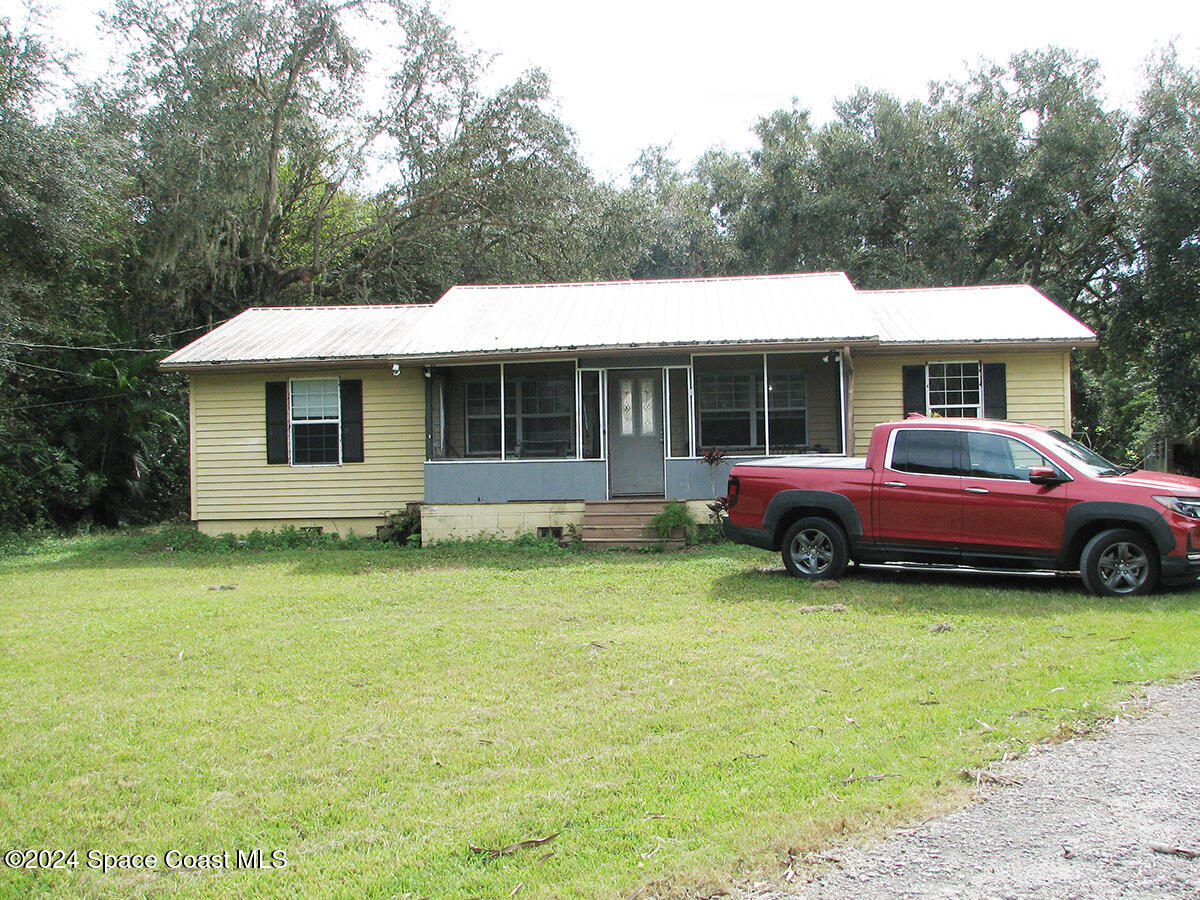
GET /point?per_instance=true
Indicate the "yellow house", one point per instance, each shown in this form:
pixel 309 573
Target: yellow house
pixel 506 409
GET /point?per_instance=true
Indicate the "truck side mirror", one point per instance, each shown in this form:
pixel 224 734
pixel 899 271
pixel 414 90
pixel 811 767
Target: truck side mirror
pixel 1045 475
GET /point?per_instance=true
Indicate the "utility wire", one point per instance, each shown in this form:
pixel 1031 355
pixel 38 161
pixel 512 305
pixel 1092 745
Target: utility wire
pixel 114 346
pixel 60 371
pixel 16 409
pixel 111 347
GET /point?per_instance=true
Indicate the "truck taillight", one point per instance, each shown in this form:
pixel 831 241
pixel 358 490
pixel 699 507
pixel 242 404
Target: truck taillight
pixel 731 498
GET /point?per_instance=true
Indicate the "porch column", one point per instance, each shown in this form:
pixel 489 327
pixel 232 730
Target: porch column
pixel 847 370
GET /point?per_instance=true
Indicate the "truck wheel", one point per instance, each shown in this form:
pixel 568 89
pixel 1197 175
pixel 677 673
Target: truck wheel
pixel 1119 563
pixel 815 548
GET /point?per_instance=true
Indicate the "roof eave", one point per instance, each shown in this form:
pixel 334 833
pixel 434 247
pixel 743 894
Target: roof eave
pixel 1078 343
pixel 600 349
pixel 226 365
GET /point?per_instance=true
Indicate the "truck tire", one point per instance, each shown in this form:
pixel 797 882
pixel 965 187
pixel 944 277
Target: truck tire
pixel 1120 562
pixel 815 548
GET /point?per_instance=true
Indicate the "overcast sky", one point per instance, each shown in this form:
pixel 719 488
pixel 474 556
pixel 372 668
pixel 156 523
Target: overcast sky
pixel 697 74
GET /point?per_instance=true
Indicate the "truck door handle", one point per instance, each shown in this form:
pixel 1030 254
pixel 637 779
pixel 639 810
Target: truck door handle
pixel 977 490
pixel 894 484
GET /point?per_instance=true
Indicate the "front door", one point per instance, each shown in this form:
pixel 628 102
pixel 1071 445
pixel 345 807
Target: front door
pixel 635 432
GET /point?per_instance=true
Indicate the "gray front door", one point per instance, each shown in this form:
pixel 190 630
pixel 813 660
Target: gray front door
pixel 635 432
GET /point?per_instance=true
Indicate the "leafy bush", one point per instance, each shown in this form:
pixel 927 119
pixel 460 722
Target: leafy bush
pixel 674 515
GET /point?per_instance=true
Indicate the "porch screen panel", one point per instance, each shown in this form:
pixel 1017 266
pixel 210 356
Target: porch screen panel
pixel 470 411
pixel 730 408
pixel 804 402
pixel 539 411
pixel 589 382
pixel 437 415
pixel 677 388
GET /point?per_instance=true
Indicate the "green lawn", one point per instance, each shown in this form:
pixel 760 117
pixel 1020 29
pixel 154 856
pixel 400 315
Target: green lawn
pixel 675 719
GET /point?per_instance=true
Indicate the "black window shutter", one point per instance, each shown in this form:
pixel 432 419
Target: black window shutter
pixel 914 390
pixel 352 420
pixel 277 423
pixel 995 391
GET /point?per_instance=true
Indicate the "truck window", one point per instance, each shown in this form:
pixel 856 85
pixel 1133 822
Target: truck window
pixel 927 452
pixel 998 456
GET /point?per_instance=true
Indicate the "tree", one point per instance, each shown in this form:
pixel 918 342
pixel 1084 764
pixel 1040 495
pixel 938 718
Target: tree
pixel 1155 317
pixel 267 176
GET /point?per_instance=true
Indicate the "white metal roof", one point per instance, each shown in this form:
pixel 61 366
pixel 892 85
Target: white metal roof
pixel 630 314
pixel 293 333
pixel 763 310
pixel 1007 313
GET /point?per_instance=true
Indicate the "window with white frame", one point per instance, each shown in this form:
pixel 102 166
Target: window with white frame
pixel 955 389
pixel 316 422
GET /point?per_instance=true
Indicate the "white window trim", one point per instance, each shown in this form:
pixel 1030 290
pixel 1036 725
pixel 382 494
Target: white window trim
pixel 979 408
pixel 293 422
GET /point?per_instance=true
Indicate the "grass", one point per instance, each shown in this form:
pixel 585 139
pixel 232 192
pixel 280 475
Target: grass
pixel 677 720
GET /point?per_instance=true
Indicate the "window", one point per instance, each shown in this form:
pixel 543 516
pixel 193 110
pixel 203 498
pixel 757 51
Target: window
pixel 539 411
pixel 513 411
pixel 926 451
pixel 482 400
pixel 730 409
pixel 316 422
pixel 787 397
pixel 954 389
pixel 999 456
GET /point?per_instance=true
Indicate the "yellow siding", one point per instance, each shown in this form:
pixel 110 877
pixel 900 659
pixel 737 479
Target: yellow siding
pixel 1039 387
pixel 231 481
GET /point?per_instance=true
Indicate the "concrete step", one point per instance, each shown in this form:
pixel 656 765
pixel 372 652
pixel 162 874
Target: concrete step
pixel 618 518
pixel 622 524
pixel 637 531
pixel 651 506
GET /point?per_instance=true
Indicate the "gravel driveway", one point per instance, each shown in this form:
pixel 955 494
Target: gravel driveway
pixel 1082 819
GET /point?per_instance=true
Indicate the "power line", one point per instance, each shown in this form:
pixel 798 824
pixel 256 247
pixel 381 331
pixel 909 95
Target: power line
pixel 17 362
pixel 114 346
pixel 110 347
pixel 16 409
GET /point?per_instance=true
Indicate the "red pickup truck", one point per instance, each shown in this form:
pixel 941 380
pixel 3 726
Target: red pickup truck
pixel 972 492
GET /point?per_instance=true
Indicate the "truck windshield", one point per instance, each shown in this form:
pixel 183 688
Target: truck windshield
pixel 1083 457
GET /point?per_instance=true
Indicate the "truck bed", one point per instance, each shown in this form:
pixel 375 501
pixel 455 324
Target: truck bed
pixel 808 462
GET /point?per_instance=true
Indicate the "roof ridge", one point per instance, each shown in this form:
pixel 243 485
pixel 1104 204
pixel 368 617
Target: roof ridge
pixel 725 279
pixel 339 306
pixel 944 287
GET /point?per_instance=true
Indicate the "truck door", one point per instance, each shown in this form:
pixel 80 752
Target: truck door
pixel 1004 515
pixel 919 494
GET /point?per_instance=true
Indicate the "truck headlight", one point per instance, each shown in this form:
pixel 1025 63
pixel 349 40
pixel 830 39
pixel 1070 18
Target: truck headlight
pixel 1185 506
